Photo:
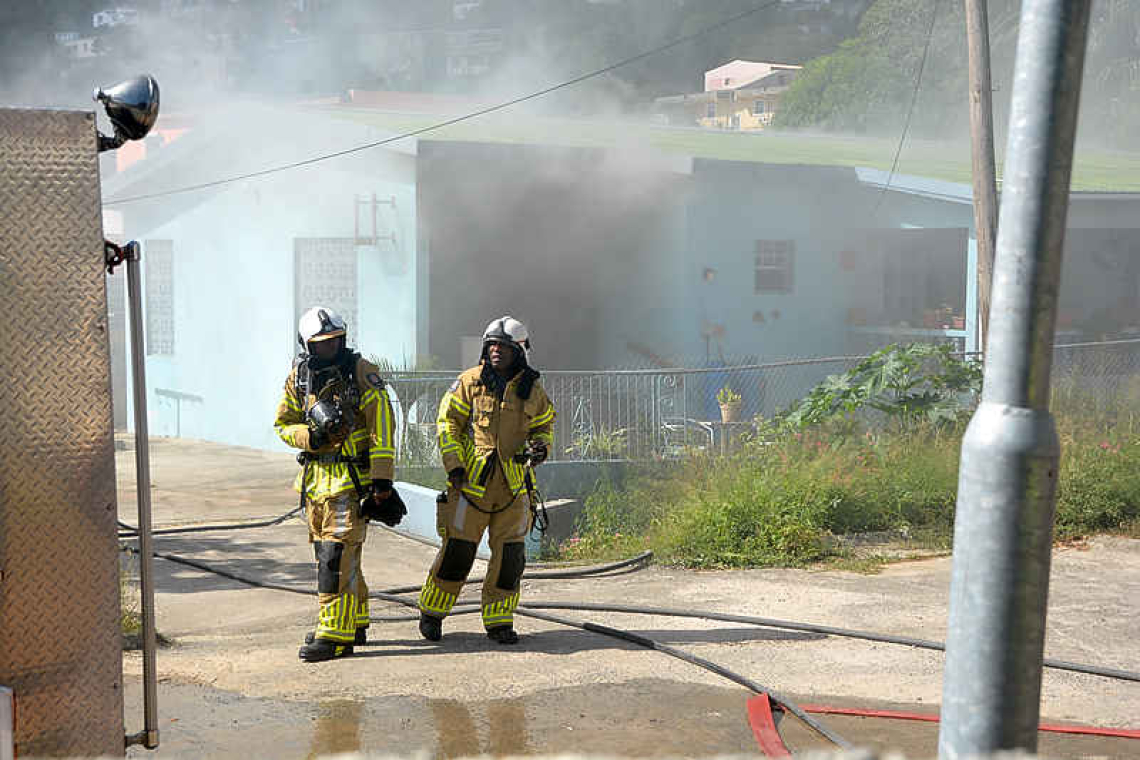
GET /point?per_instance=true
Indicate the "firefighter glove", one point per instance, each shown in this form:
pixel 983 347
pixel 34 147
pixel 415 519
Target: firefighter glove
pixel 389 509
pixel 457 477
pixel 538 452
pixel 381 489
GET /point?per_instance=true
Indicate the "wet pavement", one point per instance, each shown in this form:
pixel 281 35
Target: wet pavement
pixel 641 718
pixel 636 719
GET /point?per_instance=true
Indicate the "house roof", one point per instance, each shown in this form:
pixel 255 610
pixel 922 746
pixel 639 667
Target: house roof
pixel 245 139
pixel 927 187
pixel 739 73
pixel 279 135
pixel 1094 171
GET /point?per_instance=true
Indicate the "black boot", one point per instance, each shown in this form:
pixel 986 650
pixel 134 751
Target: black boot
pixel 431 627
pixel 361 637
pixel 504 634
pixel 319 650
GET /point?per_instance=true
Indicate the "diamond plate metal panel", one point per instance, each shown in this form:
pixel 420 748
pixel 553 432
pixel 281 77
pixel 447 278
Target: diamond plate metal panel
pixel 60 644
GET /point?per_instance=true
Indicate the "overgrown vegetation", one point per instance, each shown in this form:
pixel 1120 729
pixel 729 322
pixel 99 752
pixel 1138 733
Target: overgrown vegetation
pixel 867 82
pixel 922 382
pixel 601 444
pixel 875 450
pixel 130 607
pixel 130 618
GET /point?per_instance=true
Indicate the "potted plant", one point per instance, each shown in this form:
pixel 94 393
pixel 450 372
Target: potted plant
pixel 730 402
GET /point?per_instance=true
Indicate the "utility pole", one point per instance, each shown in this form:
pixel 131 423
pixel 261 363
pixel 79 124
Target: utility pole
pixel 982 151
pixel 1003 528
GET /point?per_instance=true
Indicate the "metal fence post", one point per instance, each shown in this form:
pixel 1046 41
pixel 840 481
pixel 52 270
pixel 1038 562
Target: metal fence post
pixel 1010 454
pixel 148 737
pixel 7 724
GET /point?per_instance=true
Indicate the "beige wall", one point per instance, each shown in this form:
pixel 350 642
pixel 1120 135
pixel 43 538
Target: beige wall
pixel 737 115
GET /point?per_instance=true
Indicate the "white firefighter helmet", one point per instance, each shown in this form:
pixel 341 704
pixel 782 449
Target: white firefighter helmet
pixel 319 323
pixel 510 331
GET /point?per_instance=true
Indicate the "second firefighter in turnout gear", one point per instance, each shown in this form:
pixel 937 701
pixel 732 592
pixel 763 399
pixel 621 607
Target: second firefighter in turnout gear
pixel 492 417
pixel 335 409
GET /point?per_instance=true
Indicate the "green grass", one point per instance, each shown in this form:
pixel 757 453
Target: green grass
pixel 853 563
pixel 949 161
pixel 786 503
pixel 130 614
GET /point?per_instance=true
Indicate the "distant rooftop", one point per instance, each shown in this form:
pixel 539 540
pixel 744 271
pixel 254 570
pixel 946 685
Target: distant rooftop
pixel 739 73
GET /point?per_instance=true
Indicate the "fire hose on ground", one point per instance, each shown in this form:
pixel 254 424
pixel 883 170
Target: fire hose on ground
pixel 759 710
pixel 392 595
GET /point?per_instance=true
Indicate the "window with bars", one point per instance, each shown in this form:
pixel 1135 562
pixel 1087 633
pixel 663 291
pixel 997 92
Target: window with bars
pixel 775 266
pixel 158 267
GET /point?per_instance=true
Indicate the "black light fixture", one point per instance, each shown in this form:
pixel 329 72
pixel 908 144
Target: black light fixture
pixel 132 107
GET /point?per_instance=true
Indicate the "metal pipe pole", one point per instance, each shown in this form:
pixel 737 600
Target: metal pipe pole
pixel 982 152
pixel 1003 529
pixel 149 737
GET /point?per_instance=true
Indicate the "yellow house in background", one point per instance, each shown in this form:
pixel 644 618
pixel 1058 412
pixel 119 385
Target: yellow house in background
pixel 740 95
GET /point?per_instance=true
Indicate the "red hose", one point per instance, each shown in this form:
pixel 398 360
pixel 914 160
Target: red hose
pixel 764 727
pixel 1123 733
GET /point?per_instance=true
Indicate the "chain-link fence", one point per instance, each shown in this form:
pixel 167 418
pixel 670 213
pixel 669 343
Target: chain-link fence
pixel 1097 378
pixel 629 414
pixel 645 414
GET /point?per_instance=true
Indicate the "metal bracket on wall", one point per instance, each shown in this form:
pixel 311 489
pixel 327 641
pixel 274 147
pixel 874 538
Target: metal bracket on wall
pixel 113 254
pixel 177 397
pixel 372 205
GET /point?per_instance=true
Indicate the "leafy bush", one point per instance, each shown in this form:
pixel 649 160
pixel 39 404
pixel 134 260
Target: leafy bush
pixel 921 382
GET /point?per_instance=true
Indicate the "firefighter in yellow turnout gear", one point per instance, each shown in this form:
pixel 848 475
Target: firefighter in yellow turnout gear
pixel 492 415
pixel 335 408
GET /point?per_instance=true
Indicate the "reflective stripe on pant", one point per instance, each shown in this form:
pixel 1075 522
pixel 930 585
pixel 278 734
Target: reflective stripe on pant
pixel 362 614
pixel 461 526
pixel 337 533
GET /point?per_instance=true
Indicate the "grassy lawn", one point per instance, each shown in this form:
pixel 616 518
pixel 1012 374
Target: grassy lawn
pixel 1093 170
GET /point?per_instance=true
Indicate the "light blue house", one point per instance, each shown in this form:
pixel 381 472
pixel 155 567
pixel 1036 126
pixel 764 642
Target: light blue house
pixel 228 268
pixel 782 261
pixel 613 257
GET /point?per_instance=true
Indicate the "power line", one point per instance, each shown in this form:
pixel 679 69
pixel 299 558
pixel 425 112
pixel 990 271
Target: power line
pixel 439 125
pixel 909 111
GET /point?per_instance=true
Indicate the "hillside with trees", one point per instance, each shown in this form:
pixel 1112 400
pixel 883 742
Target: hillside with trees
pixel 868 82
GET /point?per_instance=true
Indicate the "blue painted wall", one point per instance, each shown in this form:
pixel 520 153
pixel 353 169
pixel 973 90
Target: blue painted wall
pixel 732 206
pixel 233 275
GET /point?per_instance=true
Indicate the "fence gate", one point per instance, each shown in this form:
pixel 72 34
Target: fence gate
pixel 60 641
